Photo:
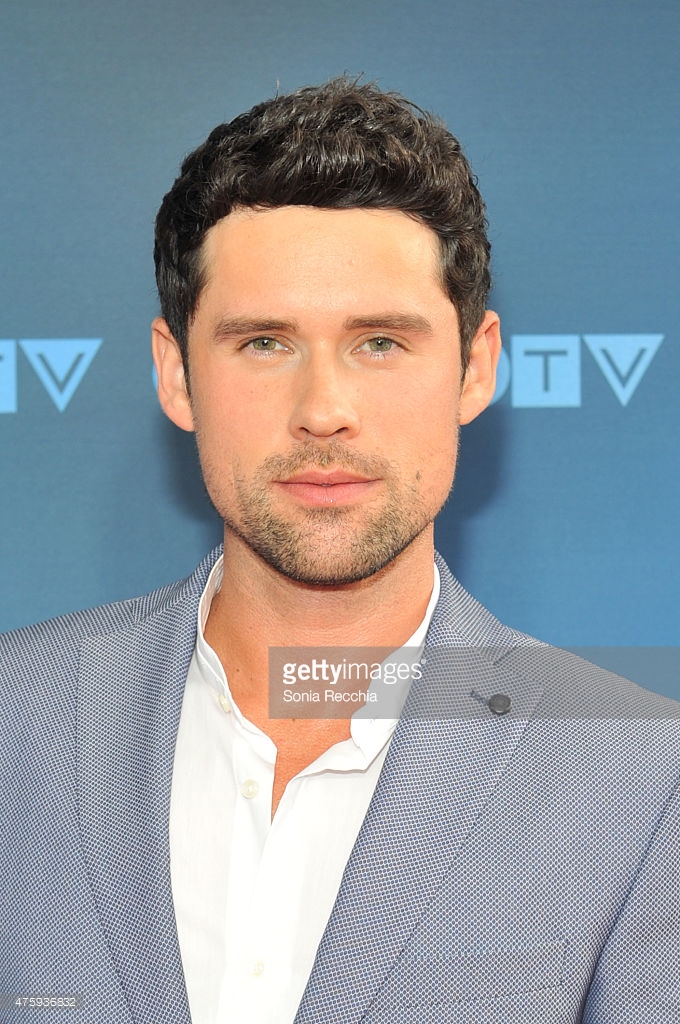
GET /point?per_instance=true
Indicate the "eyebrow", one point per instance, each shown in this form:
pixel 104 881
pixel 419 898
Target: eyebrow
pixel 237 326
pixel 390 322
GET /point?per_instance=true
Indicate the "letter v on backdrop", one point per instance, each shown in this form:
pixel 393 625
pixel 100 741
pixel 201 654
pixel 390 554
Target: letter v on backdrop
pixel 623 358
pixel 59 363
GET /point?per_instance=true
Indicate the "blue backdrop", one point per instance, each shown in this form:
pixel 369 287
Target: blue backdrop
pixel 564 518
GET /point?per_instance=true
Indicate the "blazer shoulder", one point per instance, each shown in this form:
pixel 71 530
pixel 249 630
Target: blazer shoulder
pixel 573 687
pixel 58 640
pixel 576 688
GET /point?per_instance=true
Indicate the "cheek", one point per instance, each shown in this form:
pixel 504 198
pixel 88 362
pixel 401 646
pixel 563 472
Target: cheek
pixel 230 407
pixel 420 417
pixel 235 431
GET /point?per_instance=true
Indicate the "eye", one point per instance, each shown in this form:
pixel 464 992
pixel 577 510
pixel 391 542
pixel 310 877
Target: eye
pixel 379 346
pixel 264 344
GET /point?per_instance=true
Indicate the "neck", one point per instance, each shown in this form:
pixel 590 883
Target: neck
pixel 258 608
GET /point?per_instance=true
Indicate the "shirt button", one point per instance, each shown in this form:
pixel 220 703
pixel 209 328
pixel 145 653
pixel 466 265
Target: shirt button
pixel 225 703
pixel 249 789
pixel 258 968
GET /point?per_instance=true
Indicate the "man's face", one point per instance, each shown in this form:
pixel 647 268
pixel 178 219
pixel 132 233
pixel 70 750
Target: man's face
pixel 325 386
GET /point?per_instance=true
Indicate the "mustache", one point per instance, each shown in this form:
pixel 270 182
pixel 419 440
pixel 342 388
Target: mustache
pixel 311 455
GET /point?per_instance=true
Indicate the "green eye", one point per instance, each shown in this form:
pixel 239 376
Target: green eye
pixel 380 344
pixel 263 344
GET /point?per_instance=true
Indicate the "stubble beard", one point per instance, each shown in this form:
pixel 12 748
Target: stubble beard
pixel 328 545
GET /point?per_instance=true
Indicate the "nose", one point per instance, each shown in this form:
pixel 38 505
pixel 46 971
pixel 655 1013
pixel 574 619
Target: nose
pixel 326 399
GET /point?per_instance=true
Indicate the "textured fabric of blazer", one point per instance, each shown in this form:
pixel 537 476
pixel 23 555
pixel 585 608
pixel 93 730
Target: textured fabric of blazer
pixel 512 867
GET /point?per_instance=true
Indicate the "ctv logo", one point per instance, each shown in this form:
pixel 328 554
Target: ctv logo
pixel 544 370
pixel 60 363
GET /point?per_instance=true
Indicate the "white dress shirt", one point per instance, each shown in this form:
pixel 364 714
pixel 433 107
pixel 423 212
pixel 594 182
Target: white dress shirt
pixel 253 896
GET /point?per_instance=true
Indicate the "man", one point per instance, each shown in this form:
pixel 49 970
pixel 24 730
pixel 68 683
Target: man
pixel 503 845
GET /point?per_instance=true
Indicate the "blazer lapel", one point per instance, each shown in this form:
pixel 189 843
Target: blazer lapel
pixel 446 757
pixel 131 684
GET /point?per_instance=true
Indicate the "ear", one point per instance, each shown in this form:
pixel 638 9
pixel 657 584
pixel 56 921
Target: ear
pixel 173 393
pixel 479 382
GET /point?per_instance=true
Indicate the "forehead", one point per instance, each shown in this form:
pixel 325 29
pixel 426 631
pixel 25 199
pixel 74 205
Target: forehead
pixel 301 249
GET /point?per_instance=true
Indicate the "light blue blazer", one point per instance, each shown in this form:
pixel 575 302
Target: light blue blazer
pixel 518 868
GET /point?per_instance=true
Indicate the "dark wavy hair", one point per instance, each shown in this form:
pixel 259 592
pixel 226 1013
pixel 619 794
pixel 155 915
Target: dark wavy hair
pixel 337 146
